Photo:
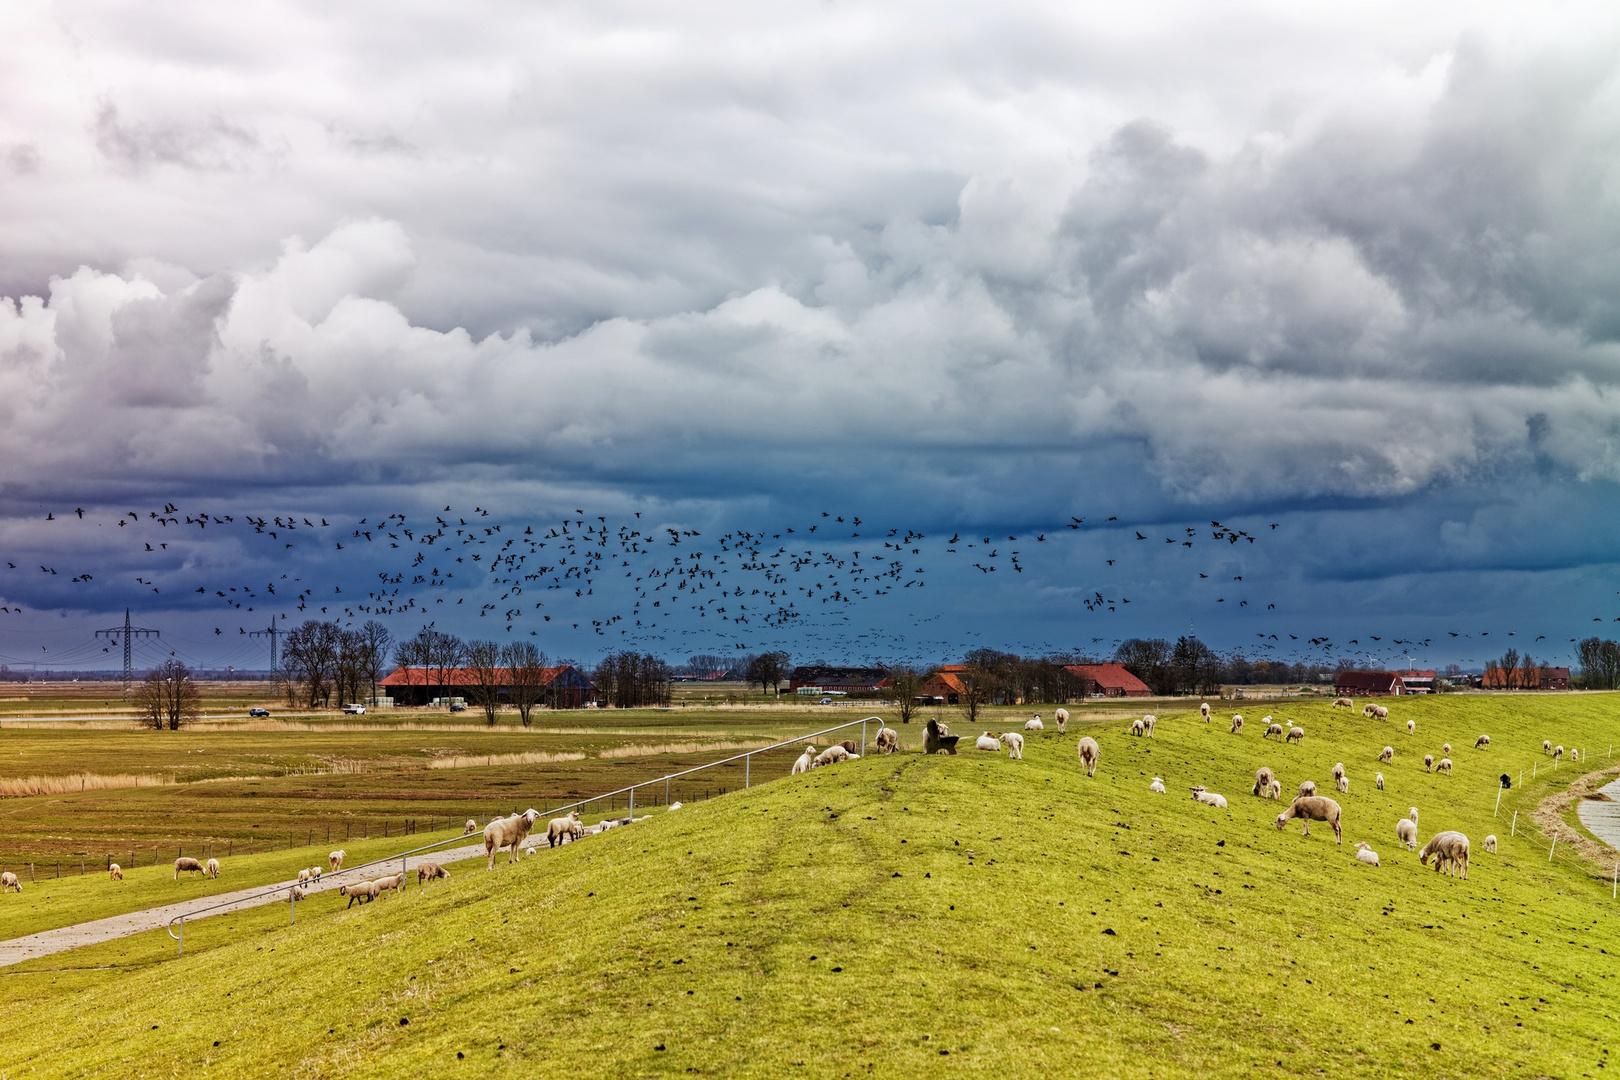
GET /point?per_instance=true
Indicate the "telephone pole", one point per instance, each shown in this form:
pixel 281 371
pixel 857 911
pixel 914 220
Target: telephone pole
pixel 273 634
pixel 128 633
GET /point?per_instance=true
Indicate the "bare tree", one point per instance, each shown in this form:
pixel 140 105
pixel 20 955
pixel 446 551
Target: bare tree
pixel 168 697
pixel 309 655
pixel 1512 677
pixel 445 653
pixel 525 669
pixel 905 680
pixel 374 642
pixel 484 661
pixel 768 669
pixel 415 653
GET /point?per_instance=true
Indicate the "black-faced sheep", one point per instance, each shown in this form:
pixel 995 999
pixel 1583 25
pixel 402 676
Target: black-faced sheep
pixel 1558 752
pixel 297 892
pixel 1365 853
pixel 8 881
pixel 1062 718
pixel 1546 746
pixel 1307 788
pixel 1237 723
pixel 1209 798
pixel 1273 729
pixel 115 872
pixel 1406 833
pixel 1482 743
pixel 1311 808
pixel 1411 726
pixel 1490 844
pixel 469 828
pixel 211 868
pixel 334 861
pixel 560 829
pixel 1443 765
pixel 1015 745
pixel 303 877
pixel 1387 754
pixel 1338 769
pixel 188 864
pixel 430 871
pixel 805 761
pixel 363 891
pixel 1089 753
pixel 1428 763
pixel 1263 777
pixel 1445 749
pixel 508 833
pixel 1505 780
pixel 987 742
pixel 1450 851
pixel 1203 710
pixel 1296 734
pixel 937 737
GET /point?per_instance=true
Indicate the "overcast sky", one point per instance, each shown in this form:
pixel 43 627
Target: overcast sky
pixel 1351 269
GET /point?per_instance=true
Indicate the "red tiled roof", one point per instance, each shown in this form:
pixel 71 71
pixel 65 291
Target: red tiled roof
pixel 1110 677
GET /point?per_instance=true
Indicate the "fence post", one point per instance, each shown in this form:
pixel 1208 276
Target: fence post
pixel 292 906
pixel 863 738
pixel 666 791
pixel 1515 827
pixel 748 762
pixel 1552 849
pixel 1498 805
pixel 632 804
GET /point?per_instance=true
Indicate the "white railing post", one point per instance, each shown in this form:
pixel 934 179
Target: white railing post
pixel 748 761
pixel 1514 830
pixel 1498 805
pixel 1552 849
pixel 632 814
pixel 292 906
pixel 863 738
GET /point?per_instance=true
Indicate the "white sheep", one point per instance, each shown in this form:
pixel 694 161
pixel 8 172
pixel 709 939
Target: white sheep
pixel 1309 808
pixel 988 742
pixel 1482 743
pixel 1237 723
pixel 1412 815
pixel 1015 745
pixel 1365 853
pixel 1380 712
pixel 188 864
pixel 1378 781
pixel 1367 709
pixel 1136 727
pixel 1558 752
pixel 1406 833
pixel 389 883
pixel 1089 753
pixel 1263 776
pixel 1147 722
pixel 1209 798
pixel 508 833
pixel 1275 791
pixel 1343 703
pixel 1490 844
pixel 1157 787
pixel 1034 725
pixel 557 829
pixel 363 891
pixel 674 806
pixel 8 881
pixel 315 874
pixel 831 756
pixel 432 871
pixel 806 761
pixel 1443 765
pixel 1450 851
pixel 1062 717
pixel 115 872
pixel 1574 754
pixel 303 877
pixel 1296 734
pixel 1273 729
pixel 887 740
pixel 1411 726
pixel 469 828
pixel 1343 784
pixel 1428 763
pixel 1387 754
pixel 1338 770
pixel 335 860
pixel 1307 788
pixel 297 893
pixel 1445 749
pixel 1203 710
pixel 1546 746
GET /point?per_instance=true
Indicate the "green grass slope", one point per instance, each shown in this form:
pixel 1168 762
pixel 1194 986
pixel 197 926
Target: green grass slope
pixel 909 916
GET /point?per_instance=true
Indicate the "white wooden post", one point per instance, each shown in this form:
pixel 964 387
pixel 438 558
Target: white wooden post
pixel 1498 800
pixel 748 761
pixel 1552 849
pixel 1514 830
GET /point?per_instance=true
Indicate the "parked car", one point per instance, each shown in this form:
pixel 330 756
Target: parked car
pixel 458 708
pixel 356 710
pixel 258 712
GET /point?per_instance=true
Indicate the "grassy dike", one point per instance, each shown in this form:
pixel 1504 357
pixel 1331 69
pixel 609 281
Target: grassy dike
pixel 910 916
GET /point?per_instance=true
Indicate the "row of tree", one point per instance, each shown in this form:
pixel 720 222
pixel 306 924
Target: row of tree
pixel 628 680
pixel 1600 664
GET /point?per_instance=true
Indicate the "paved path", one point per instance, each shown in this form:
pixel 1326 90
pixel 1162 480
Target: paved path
pixel 1602 819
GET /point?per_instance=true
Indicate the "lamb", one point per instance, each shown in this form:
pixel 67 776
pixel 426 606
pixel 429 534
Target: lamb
pixel 1034 725
pixel 1490 844
pixel 1450 851
pixel 989 742
pixel 1365 853
pixel 1015 745
pixel 1089 753
pixel 187 864
pixel 1443 765
pixel 389 884
pixel 363 891
pixel 1209 798
pixel 1062 716
pixel 1546 746
pixel 1574 754
pixel 1274 729
pixel 559 828
pixel 1445 749
pixel 469 828
pixel 937 737
pixel 1343 784
pixel 1311 808
pixel 1406 833
pixel 1428 763
pixel 297 893
pixel 805 761
pixel 431 871
pixel 831 756
pixel 1338 770
pixel 1343 703
pixel 1136 727
pixel 1387 754
pixel 1307 788
pixel 1263 777
pixel 1296 734
pixel 887 739
pixel 1203 710
pixel 8 881
pixel 115 872
pixel 1148 722
pixel 508 832
pixel 1275 791
pixel 315 874
pixel 1411 726
pixel 303 877
pixel 1237 724
pixel 1378 779
pixel 334 861
pixel 1157 787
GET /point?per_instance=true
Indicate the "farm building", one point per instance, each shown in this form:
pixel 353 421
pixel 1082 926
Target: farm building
pixel 1110 680
pixel 560 687
pixel 1368 684
pixel 944 687
pixel 1536 678
pixel 816 678
pixel 1417 682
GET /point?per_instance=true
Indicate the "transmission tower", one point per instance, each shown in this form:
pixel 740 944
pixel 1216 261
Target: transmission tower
pixel 128 633
pixel 273 634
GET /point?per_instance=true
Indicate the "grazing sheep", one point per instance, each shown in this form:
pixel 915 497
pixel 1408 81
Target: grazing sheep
pixel 1015 745
pixel 1338 770
pixel 853 747
pixel 1307 788
pixel 805 761
pixel 1443 765
pixel 1381 712
pixel 831 756
pixel 187 864
pixel 1428 763
pixel 1263 777
pixel 1089 753
pixel 887 740
pixel 1343 784
pixel 1490 844
pixel 1450 851
pixel 1387 754
pixel 469 828
pixel 1273 729
pixel 1574 754
pixel 1148 722
pixel 303 877
pixel 557 829
pixel 1378 779
pixel 363 891
pixel 1411 814
pixel 1343 703
pixel 1445 749
pixel 1237 724
pixel 1209 798
pixel 1546 746
pixel 8 881
pixel 989 742
pixel 1157 787
pixel 115 872
pixel 431 871
pixel 1136 727
pixel 1482 743
pixel 1296 734
pixel 1035 724
pixel 1411 726
pixel 508 833
pixel 937 737
pixel 1203 710
pixel 1365 853
pixel 1367 709
pixel 1275 791
pixel 1505 780
pixel 297 893
pixel 334 861
pixel 1311 808
pixel 1406 833
pixel 1062 716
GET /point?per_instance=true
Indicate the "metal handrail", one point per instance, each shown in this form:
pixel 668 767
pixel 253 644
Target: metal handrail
pixel 746 757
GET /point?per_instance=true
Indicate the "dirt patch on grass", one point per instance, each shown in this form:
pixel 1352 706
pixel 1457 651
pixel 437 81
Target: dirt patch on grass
pixel 1549 816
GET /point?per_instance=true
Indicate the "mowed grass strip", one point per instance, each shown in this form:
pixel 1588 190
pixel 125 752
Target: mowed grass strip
pixel 911 916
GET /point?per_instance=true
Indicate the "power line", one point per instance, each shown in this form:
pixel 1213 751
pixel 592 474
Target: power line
pixel 129 632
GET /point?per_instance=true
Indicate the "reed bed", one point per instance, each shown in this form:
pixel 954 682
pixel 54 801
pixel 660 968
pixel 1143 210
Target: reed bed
pixel 474 761
pixel 644 750
pixel 20 786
